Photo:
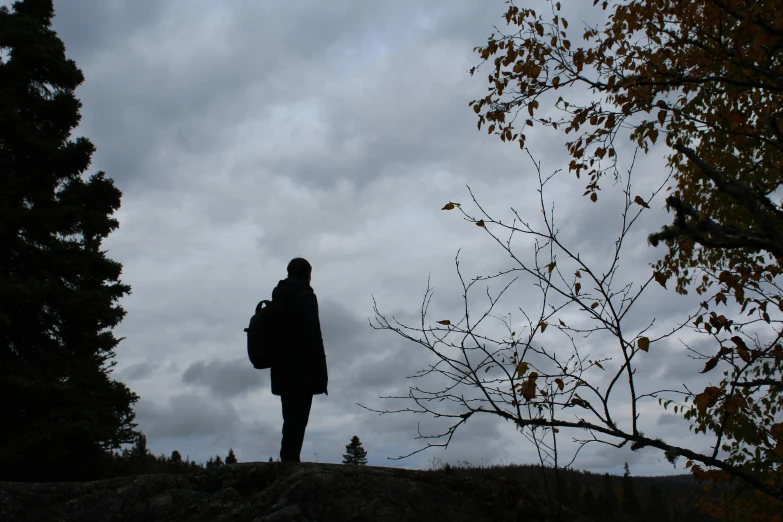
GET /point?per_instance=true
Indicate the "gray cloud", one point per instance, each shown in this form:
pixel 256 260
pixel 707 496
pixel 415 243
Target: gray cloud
pixel 669 419
pixel 224 379
pixel 247 133
pixel 186 416
pixel 137 371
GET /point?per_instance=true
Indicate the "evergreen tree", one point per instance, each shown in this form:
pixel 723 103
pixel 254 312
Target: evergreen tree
pixel 139 450
pixel 589 504
pixel 218 461
pixel 657 508
pixel 58 290
pixel 630 502
pixel 354 453
pixel 610 503
pixel 563 491
pixel 231 458
pixel 176 457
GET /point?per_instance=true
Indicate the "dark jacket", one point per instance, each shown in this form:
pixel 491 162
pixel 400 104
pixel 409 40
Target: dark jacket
pixel 304 371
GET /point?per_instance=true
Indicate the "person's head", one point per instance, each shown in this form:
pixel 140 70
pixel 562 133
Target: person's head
pixel 300 269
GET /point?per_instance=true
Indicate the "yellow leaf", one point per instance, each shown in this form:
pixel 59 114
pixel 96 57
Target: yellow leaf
pixel 522 368
pixel 643 343
pixel 598 364
pixel 445 322
pixel 551 266
pixel 450 206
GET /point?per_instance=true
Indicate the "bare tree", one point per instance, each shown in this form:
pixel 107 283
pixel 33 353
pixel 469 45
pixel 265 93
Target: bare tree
pixel 483 364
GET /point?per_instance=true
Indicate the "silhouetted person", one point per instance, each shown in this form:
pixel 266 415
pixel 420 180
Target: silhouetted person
pixel 303 373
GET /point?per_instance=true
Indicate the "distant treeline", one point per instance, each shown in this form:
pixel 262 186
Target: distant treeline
pixel 600 496
pixel 138 460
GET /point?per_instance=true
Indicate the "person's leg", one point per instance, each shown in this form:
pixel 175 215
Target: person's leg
pixel 296 413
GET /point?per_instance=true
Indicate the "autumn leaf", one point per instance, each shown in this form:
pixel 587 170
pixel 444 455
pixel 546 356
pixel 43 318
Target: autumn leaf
pixel 522 368
pixel 593 197
pixel 560 384
pixel 480 223
pixel 643 343
pixel 551 266
pixel 639 201
pixel 578 401
pixel 598 364
pixel 577 287
pixel 543 327
pixel 528 389
pixel 450 206
pixel 737 402
pixel 660 278
pixel 594 305
pixel 707 398
pixel 445 322
pixel 712 363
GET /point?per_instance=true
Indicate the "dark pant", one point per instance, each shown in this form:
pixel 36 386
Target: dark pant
pixel 296 412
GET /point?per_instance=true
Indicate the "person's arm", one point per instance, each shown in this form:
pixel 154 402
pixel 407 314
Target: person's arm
pixel 312 337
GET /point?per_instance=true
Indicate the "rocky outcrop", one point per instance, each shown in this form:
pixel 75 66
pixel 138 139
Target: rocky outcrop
pixel 273 492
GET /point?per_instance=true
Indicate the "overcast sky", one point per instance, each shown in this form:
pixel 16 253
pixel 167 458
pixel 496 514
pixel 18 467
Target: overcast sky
pixel 245 133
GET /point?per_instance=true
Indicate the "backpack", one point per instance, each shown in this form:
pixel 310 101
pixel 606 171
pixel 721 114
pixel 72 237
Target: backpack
pixel 266 334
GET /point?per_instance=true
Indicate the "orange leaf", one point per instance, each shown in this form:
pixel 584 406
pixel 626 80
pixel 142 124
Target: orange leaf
pixel 528 389
pixel 639 201
pixel 712 363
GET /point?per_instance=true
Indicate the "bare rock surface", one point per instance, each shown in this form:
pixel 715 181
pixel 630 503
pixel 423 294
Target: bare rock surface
pixel 273 492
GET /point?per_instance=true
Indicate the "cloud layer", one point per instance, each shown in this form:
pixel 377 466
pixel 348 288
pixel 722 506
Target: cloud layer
pixel 243 134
